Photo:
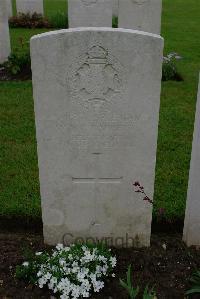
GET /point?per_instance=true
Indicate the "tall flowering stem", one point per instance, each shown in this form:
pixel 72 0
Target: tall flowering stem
pixel 138 188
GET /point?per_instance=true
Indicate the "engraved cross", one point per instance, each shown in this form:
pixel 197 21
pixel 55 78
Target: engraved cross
pixel 97 181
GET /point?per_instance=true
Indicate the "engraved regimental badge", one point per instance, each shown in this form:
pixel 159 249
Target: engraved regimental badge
pixel 96 77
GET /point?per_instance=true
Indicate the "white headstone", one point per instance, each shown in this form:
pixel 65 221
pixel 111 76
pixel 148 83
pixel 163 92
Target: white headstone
pixel 90 13
pixel 30 6
pixel 9 8
pixel 4 32
pixel 115 7
pixel 97 95
pixel 142 15
pixel 191 233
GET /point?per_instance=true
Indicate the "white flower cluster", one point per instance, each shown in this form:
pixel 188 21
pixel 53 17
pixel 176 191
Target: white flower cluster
pixel 75 271
pixel 170 57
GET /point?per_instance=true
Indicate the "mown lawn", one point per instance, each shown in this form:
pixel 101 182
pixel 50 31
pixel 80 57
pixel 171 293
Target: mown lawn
pixel 181 30
pixel 19 184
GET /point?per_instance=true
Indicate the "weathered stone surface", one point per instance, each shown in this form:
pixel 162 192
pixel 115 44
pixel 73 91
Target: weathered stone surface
pixel 115 7
pixel 142 15
pixel 191 233
pixel 30 6
pixel 96 94
pixel 90 13
pixel 4 32
pixel 9 8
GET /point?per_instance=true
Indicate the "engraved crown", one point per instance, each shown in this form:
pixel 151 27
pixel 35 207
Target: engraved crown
pixel 97 52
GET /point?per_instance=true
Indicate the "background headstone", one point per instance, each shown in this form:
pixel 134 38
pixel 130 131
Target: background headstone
pixel 9 8
pixel 30 6
pixel 97 95
pixel 191 233
pixel 142 15
pixel 90 13
pixel 4 32
pixel 115 7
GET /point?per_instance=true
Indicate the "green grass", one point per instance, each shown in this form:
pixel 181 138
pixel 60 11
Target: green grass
pixel 19 184
pixel 18 33
pixel 54 6
pixel 181 32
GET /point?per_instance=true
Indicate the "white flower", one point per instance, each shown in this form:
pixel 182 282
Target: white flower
pixel 66 249
pixel 113 275
pixel 47 275
pixel 88 257
pixel 75 269
pixel 38 253
pixel 62 262
pixel 75 292
pixel 53 280
pixel 25 264
pixel 42 281
pixel 104 269
pixel 70 256
pixel 39 273
pixel 85 294
pixel 59 246
pixel 84 248
pixel 98 285
pixel 113 261
pixel 80 276
pixel 75 264
pixel 92 277
pixel 68 271
pixel 102 258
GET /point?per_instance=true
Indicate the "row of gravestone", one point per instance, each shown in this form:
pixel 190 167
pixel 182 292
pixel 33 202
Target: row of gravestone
pixel 97 94
pixel 135 14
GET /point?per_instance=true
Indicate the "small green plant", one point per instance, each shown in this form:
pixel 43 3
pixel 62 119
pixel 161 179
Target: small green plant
pixel 195 281
pixel 132 291
pixel 127 285
pixel 19 60
pixel 169 68
pixel 149 293
pixel 70 272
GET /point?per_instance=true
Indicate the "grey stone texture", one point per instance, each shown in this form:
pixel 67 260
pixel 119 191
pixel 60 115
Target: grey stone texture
pixel 142 15
pixel 30 6
pixel 9 8
pixel 90 13
pixel 96 95
pixel 115 7
pixel 4 32
pixel 191 233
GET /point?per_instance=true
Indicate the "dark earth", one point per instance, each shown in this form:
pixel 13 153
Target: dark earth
pixel 167 264
pixel 5 75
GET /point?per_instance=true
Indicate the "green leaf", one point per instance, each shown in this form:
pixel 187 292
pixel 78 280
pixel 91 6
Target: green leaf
pixel 123 284
pixel 193 291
